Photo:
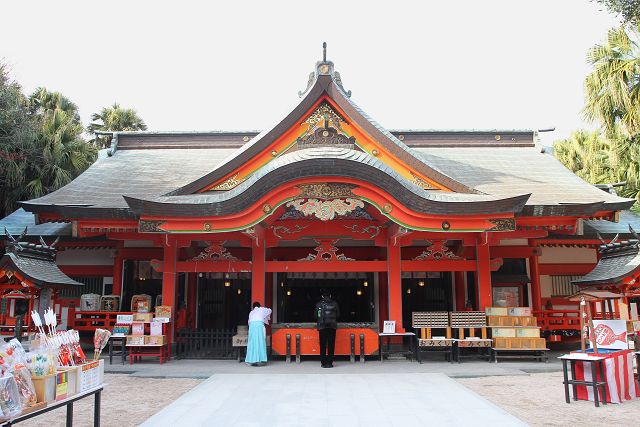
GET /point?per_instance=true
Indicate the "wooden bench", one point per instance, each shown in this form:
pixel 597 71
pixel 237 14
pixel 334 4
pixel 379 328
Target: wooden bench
pixel 426 322
pixel 467 323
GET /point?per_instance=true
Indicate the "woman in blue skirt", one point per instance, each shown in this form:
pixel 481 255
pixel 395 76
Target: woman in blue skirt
pixel 257 345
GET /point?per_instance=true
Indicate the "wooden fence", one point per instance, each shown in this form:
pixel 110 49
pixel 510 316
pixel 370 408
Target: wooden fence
pixel 205 344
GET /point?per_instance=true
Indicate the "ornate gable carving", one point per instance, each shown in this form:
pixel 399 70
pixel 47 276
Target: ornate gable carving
pixel 436 251
pixel 326 190
pixel 325 210
pixel 215 251
pixel 326 251
pixel 324 128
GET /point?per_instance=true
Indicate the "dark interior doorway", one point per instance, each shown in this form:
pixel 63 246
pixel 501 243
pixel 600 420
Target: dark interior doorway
pixel 430 291
pixel 224 300
pixel 297 296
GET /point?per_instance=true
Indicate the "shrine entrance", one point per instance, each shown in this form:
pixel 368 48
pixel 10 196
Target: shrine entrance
pixel 426 291
pixel 298 293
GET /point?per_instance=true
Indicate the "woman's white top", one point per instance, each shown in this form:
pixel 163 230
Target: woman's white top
pixel 260 313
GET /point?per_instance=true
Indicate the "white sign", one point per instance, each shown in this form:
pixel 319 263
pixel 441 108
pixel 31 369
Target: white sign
pixel 610 334
pixel 155 328
pixel 124 318
pixel 389 327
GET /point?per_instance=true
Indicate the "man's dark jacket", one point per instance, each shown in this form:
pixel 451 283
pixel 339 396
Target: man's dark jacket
pixel 327 313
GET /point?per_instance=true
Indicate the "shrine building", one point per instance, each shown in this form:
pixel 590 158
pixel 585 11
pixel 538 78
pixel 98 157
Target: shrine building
pixel 390 222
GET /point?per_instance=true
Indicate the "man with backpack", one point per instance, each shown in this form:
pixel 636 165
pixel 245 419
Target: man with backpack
pixel 326 314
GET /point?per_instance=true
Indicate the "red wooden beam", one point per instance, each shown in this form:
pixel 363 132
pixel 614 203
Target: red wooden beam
pixel 568 242
pixel 447 265
pixel 207 266
pixel 88 245
pixel 514 251
pixel 332 266
pixel 87 270
pixel 565 269
pixel 140 253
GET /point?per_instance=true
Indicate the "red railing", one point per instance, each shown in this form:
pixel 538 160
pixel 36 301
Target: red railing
pixel 91 320
pixel 549 320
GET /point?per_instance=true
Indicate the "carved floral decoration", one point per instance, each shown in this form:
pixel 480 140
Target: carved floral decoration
pixel 325 210
pixel 279 230
pixel 372 231
pixel 215 251
pixel 436 251
pixel 326 251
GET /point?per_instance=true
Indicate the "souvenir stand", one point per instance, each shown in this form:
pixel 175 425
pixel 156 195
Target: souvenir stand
pixel 149 331
pixel 606 372
pixel 55 371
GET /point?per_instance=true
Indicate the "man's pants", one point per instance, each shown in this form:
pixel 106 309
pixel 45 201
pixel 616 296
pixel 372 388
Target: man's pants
pixel 327 342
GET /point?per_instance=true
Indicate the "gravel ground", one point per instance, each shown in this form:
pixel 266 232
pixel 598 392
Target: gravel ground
pixel 126 401
pixel 538 399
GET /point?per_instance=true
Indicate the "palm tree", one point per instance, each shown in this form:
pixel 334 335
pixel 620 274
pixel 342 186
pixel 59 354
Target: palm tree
pixel 41 144
pixel 59 156
pixel 587 154
pixel 42 101
pixel 612 89
pixel 114 118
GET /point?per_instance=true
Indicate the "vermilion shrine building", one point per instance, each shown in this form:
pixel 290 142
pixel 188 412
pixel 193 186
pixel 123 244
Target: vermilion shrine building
pixel 391 221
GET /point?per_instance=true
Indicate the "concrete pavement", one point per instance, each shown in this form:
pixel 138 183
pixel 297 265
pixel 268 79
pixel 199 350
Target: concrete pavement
pixel 339 397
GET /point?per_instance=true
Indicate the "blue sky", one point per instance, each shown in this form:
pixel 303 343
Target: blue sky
pixel 239 65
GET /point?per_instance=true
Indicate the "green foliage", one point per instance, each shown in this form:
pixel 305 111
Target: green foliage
pixel 629 10
pixel 601 160
pixel 41 144
pixel 112 119
pixel 612 89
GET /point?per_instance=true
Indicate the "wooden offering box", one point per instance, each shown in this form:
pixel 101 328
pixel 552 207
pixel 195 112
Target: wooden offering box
pixel 520 343
pixel 511 321
pixel 135 339
pixel 155 340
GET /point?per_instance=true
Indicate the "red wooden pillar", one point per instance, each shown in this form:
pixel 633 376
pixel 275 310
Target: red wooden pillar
pixel 258 266
pixel 192 295
pixel 461 290
pixel 394 275
pixel 383 298
pixel 483 276
pixel 534 270
pixel 169 260
pixel 116 288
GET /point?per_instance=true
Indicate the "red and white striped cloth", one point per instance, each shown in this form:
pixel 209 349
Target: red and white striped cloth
pixel 618 373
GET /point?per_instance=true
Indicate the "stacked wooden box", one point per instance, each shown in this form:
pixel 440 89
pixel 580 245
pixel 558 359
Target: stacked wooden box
pixel 514 328
pixel 138 336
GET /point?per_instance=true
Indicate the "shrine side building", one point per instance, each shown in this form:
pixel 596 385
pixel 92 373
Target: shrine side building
pixel 390 221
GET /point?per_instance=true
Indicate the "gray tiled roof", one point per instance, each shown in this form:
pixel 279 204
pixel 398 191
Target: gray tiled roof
pixel 610 229
pixel 43 272
pixel 618 261
pixel 135 173
pixel 510 171
pixel 324 161
pixel 145 175
pixel 16 222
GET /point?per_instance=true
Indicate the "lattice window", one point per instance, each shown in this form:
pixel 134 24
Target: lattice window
pixel 561 285
pixel 92 285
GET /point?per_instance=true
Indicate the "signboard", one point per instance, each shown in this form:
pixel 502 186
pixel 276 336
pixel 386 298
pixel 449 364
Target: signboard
pixel 155 328
pixel 610 334
pixel 124 318
pixel 389 327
